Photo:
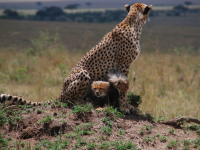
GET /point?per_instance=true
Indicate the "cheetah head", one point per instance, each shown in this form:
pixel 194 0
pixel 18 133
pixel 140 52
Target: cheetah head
pixel 140 10
pixel 100 88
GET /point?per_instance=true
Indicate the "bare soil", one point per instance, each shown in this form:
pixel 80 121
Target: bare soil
pixel 139 129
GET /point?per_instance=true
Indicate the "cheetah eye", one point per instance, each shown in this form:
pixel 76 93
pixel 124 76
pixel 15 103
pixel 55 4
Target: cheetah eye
pixel 100 89
pixel 95 89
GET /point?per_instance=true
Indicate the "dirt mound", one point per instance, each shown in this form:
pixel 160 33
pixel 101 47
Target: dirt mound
pixel 56 126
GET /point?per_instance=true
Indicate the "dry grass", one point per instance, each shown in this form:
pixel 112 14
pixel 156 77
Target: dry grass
pixel 161 32
pixel 169 83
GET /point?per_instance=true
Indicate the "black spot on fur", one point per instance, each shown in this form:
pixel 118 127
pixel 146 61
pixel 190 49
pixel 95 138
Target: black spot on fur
pixel 15 99
pixel 9 97
pixel 3 98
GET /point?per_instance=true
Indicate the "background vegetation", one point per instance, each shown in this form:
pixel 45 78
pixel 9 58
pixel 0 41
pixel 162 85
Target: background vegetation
pixel 36 56
pixel 72 14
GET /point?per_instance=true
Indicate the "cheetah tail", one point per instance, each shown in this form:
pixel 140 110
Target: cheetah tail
pixel 18 100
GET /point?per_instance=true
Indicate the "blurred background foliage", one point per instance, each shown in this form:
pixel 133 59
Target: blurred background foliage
pixel 38 48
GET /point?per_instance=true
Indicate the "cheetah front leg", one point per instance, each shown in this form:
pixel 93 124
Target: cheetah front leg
pixel 75 85
pixel 123 103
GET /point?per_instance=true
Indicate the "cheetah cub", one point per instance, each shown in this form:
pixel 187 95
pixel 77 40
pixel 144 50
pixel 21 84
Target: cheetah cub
pixel 119 84
pixel 108 92
pixel 98 93
pixel 118 81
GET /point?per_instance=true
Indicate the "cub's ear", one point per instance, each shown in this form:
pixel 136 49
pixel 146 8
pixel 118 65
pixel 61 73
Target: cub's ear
pixel 127 7
pixel 108 84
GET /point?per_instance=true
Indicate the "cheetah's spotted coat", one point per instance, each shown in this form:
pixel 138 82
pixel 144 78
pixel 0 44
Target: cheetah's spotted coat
pixel 118 49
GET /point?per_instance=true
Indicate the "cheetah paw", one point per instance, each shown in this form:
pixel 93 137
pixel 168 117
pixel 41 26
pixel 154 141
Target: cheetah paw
pixel 130 107
pixel 127 109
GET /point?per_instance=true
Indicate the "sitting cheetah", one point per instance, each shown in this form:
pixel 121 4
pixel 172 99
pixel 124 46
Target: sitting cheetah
pixel 118 49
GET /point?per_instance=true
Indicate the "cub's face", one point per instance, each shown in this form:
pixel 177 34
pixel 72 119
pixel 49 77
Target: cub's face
pixel 122 86
pixel 100 88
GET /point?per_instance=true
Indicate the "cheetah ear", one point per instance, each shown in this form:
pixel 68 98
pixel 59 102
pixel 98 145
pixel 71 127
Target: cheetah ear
pixel 127 7
pixel 108 84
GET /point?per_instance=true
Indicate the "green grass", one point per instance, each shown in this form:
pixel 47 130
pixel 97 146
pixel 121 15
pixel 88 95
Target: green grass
pixel 107 121
pixel 186 142
pixel 81 109
pixel 91 146
pixel 3 117
pixel 148 128
pixel 118 145
pixel 80 142
pixel 56 145
pixel 3 143
pixel 113 113
pixel 173 144
pixel 46 119
pixel 172 131
pixel 84 129
pixel 134 99
pixel 39 111
pixel 121 132
pixel 150 116
pixel 148 139
pixel 197 143
pixel 106 130
pixel 124 146
pixel 141 132
pixel 61 104
pixel 163 138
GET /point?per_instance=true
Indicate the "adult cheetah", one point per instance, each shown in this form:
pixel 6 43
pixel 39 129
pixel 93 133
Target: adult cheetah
pixel 118 49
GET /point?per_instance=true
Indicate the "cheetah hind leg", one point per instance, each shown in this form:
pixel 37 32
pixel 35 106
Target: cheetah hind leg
pixel 75 86
pixel 124 105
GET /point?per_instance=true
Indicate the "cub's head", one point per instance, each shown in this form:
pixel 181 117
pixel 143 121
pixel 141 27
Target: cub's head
pixel 140 9
pixel 100 88
pixel 121 85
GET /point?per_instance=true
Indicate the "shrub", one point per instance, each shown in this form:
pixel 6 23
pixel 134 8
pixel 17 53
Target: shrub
pixel 134 99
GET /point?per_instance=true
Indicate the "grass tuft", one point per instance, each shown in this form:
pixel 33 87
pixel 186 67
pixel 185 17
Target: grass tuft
pixel 113 113
pixel 81 109
pixel 173 144
pixel 134 99
pixel 47 119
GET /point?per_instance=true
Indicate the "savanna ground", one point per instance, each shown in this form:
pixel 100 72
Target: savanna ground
pixel 36 56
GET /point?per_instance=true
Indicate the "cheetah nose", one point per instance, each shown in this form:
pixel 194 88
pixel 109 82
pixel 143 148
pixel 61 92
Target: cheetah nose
pixel 98 94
